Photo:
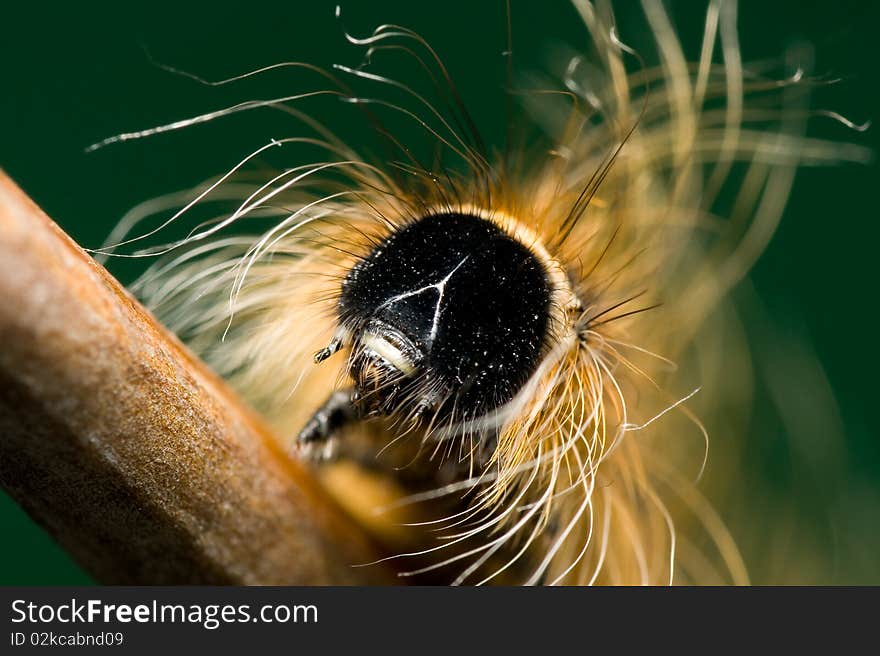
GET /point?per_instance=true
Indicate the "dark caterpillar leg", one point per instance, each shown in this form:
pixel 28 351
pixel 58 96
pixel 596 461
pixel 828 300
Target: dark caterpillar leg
pixel 337 411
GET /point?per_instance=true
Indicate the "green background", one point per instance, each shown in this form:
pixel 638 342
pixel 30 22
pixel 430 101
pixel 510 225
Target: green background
pixel 72 75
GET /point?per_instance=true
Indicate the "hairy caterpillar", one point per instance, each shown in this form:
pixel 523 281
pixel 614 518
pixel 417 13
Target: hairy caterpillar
pixel 638 197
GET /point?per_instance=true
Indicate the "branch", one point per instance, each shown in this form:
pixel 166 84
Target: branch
pixel 137 459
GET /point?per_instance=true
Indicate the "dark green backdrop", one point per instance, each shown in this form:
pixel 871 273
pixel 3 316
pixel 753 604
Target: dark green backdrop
pixel 72 75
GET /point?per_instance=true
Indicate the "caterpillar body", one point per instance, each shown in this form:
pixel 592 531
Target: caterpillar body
pixel 490 358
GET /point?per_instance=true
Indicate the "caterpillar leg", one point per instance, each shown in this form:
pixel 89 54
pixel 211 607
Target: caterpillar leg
pixel 336 412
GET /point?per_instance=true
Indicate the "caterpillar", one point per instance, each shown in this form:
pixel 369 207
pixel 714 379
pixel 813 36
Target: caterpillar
pixel 499 358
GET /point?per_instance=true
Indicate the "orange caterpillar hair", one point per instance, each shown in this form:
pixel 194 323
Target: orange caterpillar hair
pixel 650 197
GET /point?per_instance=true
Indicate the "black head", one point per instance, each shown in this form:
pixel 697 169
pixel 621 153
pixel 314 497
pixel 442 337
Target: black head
pixel 449 313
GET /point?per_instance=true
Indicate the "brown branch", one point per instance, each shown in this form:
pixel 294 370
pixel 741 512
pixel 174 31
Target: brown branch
pixel 138 460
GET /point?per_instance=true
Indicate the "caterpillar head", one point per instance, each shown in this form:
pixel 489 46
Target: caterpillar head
pixel 448 314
